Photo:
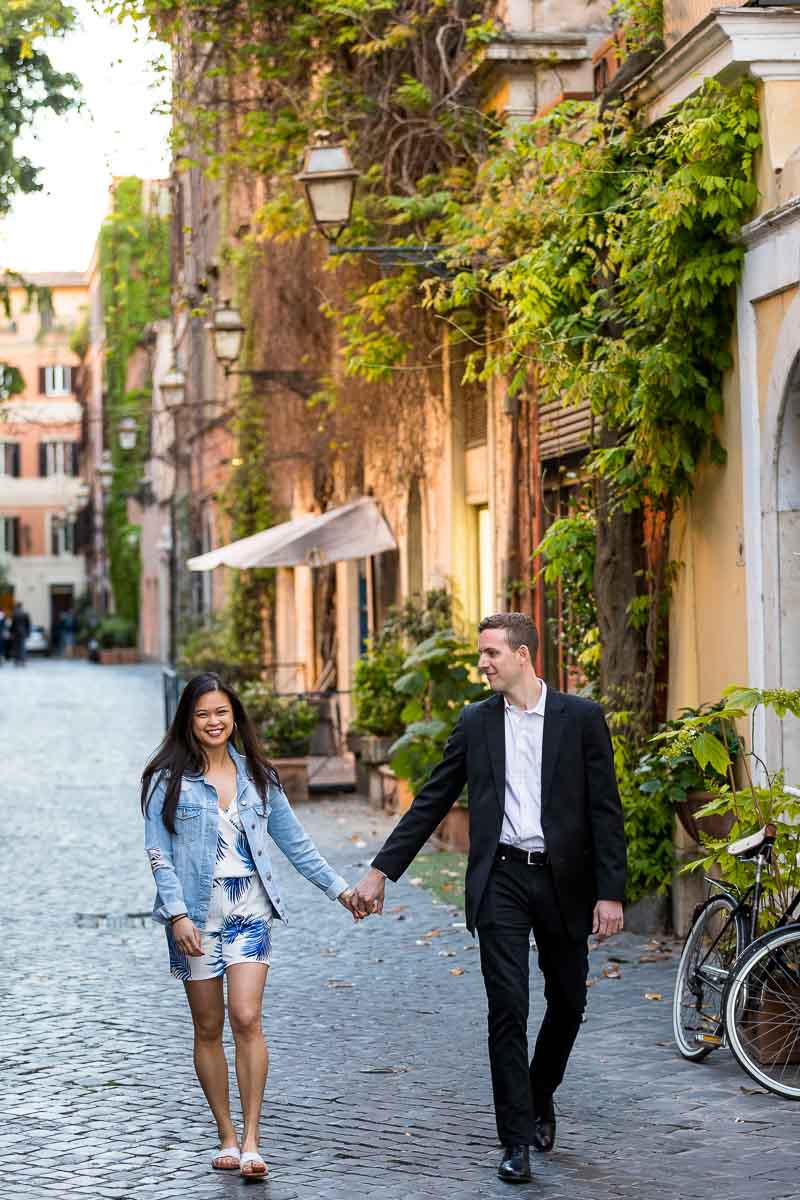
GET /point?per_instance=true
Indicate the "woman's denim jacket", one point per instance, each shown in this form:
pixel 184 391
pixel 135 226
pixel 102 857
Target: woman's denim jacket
pixel 183 862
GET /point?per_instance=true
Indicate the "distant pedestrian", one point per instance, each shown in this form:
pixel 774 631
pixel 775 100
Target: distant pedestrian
pixel 67 628
pixel 210 809
pixel 20 631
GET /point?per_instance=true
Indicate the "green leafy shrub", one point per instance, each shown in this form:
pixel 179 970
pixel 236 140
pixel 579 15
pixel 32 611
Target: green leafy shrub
pixel 674 774
pixel 378 705
pixel 437 682
pixel 116 633
pixel 285 723
pixel 706 738
pixel 648 826
pixel 213 646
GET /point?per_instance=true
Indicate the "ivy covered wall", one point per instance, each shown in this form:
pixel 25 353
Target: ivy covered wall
pixel 134 276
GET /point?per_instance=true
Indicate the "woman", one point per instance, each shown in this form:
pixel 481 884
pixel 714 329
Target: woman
pixel 209 809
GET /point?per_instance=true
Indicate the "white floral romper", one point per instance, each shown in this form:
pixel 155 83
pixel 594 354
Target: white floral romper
pixel 238 929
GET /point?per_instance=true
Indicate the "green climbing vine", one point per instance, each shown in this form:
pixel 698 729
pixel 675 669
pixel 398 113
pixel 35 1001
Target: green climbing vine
pixel 134 275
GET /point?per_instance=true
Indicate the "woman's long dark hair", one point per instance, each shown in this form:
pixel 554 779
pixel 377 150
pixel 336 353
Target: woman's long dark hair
pixel 180 752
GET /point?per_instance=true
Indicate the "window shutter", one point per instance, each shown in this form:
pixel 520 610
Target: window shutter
pixel 42 459
pixel 15 465
pixel 15 538
pixel 75 456
pixel 69 377
pixel 563 428
pixel 42 381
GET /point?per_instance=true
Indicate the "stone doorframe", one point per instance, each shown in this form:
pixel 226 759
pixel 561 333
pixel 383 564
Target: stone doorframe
pixel 772 264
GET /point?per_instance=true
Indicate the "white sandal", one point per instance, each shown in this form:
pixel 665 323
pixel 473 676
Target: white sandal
pixel 226 1152
pixel 251 1157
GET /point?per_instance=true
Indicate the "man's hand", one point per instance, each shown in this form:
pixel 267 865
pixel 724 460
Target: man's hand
pixel 607 918
pixel 187 937
pixel 369 892
pixel 348 900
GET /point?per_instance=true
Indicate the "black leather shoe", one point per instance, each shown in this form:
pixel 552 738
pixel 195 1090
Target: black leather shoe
pixel 516 1165
pixel 544 1128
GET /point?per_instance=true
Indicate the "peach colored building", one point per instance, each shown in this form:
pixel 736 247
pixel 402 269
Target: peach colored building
pixel 40 450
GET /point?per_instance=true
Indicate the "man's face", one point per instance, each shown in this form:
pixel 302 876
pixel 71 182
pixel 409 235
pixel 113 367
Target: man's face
pixel 502 666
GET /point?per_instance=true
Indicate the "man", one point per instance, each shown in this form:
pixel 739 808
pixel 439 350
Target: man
pixel 547 853
pixel 20 632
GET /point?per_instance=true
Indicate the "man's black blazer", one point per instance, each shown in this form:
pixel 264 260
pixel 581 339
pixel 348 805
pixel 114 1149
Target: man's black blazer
pixel 581 811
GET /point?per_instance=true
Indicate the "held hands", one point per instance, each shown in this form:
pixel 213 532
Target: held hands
pixel 187 937
pixel 368 894
pixel 607 918
pixel 348 900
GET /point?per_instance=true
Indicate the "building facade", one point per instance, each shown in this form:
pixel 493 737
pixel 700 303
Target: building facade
pixel 41 433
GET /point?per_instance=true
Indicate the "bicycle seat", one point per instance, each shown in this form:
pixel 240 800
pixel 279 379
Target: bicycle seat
pixel 751 847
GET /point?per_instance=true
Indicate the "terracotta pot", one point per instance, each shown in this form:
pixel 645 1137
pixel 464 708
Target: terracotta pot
pixel 453 833
pixel 294 777
pixel 717 826
pixel 119 655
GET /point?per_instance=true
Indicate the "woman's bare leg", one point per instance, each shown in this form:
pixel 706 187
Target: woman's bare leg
pixel 207 1004
pixel 245 996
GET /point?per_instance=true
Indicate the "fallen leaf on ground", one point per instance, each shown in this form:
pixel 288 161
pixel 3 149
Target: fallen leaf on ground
pixel 654 958
pixel 432 933
pixel 415 881
pixel 653 996
pixel 329 952
pixel 456 970
pixel 591 982
pixel 446 887
pixel 746 1091
pixel 613 958
pixel 422 942
pixel 452 874
pixel 338 983
pixel 611 971
pixel 447 954
pixel 398 908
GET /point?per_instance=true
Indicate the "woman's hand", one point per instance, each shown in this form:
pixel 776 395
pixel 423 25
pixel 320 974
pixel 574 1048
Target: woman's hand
pixel 348 899
pixel 186 936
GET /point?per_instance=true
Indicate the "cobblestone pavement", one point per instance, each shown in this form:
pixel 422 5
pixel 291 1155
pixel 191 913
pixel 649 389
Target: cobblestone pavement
pixel 379 1084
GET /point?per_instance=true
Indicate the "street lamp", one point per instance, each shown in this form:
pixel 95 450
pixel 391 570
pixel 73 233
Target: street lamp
pixel 329 178
pixel 172 386
pixel 227 337
pixel 82 494
pixel 105 472
pixel 127 432
pixel 227 334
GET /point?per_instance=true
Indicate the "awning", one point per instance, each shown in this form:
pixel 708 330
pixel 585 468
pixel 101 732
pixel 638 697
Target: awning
pixel 356 530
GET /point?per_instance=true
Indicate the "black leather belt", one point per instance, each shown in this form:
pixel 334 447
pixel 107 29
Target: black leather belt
pixel 532 858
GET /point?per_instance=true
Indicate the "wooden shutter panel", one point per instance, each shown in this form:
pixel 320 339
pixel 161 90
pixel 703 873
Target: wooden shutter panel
pixel 42 382
pixel 15 462
pixel 42 459
pixel 563 428
pixel 75 465
pixel 69 378
pixel 15 536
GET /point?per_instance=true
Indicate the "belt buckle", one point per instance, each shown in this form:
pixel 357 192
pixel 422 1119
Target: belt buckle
pixel 531 862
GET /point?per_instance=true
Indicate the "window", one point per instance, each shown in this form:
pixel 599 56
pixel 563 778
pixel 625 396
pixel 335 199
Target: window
pixel 58 458
pixel 9 535
pixel 62 536
pixel 55 381
pixel 9 459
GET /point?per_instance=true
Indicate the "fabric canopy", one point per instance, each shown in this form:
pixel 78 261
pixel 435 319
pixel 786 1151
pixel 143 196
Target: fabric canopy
pixel 356 530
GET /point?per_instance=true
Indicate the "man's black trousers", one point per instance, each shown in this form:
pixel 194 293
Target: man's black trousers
pixel 519 898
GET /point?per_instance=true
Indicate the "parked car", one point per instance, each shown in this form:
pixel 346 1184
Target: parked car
pixel 37 641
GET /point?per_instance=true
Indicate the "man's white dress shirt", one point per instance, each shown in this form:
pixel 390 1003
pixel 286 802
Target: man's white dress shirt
pixel 524 729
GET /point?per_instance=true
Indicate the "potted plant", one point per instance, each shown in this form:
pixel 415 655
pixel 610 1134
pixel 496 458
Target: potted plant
pixel 378 711
pixel 116 638
pixel 675 771
pixel 754 804
pixel 437 682
pixel 285 724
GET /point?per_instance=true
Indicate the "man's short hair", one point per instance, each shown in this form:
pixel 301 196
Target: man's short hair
pixel 520 630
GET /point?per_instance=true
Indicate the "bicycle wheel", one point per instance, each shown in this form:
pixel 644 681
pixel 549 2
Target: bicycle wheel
pixel 762 1011
pixel 714 942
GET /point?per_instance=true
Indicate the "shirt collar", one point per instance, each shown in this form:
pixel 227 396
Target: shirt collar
pixel 538 708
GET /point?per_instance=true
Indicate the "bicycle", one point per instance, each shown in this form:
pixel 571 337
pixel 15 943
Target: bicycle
pixel 740 990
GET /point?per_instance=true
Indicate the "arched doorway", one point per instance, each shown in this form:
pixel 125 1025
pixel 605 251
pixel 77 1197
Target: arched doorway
pixel 788 555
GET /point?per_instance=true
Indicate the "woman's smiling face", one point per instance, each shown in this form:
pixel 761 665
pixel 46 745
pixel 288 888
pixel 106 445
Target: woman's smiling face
pixel 212 720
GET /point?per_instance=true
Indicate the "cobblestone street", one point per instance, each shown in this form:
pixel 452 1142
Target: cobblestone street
pixel 379 1083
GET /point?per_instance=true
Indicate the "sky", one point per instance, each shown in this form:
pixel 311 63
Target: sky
pixel 117 133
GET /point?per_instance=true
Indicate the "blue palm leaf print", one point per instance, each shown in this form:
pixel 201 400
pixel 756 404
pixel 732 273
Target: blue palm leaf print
pixel 178 962
pixel 244 852
pixel 216 963
pixel 255 935
pixel 235 886
pixel 220 847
